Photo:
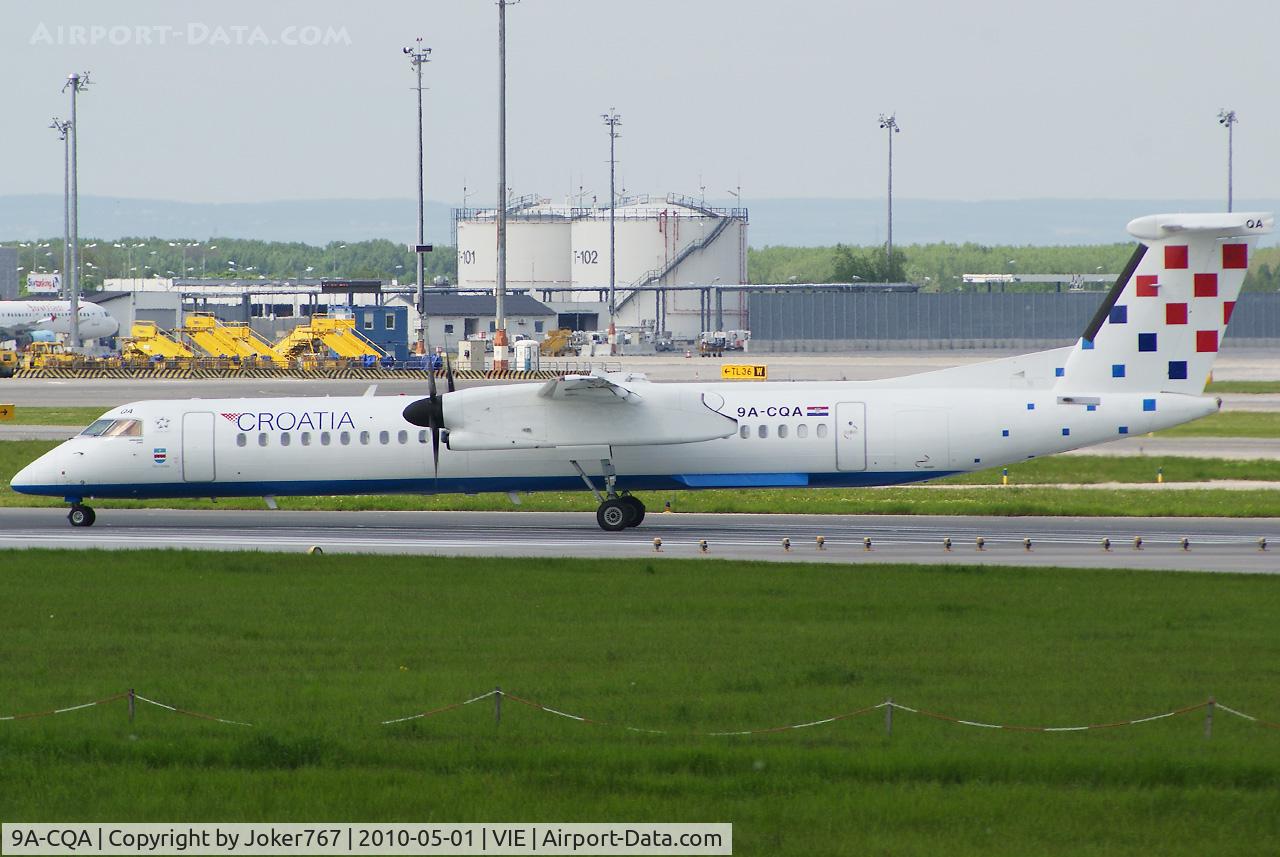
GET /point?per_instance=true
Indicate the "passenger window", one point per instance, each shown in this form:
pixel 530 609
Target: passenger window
pixel 305 437
pixel 284 439
pixel 241 440
pixel 364 438
pixel 782 431
pixel 262 439
pixel 384 437
pixel 422 437
pixel 763 430
pixel 403 437
pixel 802 430
pixel 744 431
pixel 822 430
pixel 344 438
pixel 324 438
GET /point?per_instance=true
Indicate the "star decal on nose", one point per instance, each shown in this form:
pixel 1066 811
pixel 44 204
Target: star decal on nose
pixel 162 423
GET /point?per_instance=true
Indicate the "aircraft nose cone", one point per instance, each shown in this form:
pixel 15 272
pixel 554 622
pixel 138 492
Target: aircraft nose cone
pixel 41 476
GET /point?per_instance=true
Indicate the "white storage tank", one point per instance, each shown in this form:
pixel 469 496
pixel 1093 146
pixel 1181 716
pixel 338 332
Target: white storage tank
pixel 538 248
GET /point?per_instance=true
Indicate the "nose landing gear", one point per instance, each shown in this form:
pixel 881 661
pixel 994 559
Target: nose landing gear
pixel 81 516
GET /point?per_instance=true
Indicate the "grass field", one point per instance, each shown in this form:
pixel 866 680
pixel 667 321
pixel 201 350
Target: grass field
pixel 317 650
pixel 1243 387
pixel 1022 497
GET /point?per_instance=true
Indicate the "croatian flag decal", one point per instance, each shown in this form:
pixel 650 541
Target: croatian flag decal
pixel 817 411
pixel 160 455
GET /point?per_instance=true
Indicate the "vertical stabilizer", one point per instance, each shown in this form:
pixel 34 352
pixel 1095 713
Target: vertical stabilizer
pixel 1160 327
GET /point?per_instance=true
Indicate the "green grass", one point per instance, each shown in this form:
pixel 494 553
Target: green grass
pixel 1262 424
pixel 318 650
pixel 1022 497
pixel 1243 387
pixel 57 416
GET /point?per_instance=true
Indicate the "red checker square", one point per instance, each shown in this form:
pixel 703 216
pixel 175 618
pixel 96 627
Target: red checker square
pixel 1175 313
pixel 1175 255
pixel 1227 308
pixel 1206 340
pixel 1235 255
pixel 1147 286
pixel 1206 286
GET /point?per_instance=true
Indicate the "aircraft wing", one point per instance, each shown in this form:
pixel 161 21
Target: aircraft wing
pixel 602 388
pixel 579 411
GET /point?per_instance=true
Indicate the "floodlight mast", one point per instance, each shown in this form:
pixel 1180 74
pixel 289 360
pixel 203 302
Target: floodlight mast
pixel 1229 119
pixel 63 128
pixel 418 55
pixel 890 124
pixel 77 82
pixel 612 120
pixel 500 286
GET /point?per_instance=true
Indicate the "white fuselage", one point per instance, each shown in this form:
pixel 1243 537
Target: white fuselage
pixel 774 435
pixel 19 317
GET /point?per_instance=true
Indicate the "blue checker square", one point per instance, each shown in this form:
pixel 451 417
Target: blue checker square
pixel 1090 407
pixel 1004 433
pixel 1086 344
pixel 1119 315
pixel 1059 372
pixel 1066 432
pixel 1177 370
pixel 1124 429
pixel 1117 370
pixel 1148 404
pixel 1031 406
pixel 1146 342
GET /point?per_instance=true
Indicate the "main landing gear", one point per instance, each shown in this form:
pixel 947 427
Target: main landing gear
pixel 617 511
pixel 81 516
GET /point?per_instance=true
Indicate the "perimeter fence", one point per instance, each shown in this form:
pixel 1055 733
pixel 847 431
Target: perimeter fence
pixel 889 707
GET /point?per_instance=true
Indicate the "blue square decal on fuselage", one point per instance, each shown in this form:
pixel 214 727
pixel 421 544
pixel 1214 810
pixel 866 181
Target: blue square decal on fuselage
pixel 1146 342
pixel 1119 315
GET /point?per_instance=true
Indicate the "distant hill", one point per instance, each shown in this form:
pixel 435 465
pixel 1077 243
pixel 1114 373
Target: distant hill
pixel 789 222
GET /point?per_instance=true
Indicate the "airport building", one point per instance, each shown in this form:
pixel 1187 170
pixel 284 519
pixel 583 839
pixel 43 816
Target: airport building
pixel 663 245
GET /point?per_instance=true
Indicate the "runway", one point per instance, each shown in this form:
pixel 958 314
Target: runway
pixel 1216 544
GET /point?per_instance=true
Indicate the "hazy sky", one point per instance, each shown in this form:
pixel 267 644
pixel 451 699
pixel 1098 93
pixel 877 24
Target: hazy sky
pixel 996 99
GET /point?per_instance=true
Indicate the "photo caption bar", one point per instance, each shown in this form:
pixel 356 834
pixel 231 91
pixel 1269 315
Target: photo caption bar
pixel 352 838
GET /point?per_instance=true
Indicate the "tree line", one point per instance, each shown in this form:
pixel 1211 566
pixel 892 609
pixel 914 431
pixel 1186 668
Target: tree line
pixel 932 267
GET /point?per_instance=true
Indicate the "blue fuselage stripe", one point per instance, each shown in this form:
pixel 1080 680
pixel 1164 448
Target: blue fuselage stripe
pixel 476 485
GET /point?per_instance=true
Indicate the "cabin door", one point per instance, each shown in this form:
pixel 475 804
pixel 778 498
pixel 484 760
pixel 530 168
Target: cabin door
pixel 851 436
pixel 197 447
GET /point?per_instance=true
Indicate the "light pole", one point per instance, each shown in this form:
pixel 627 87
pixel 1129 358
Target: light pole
pixel 1228 118
pixel 890 124
pixel 418 55
pixel 76 83
pixel 63 129
pixel 612 120
pixel 500 287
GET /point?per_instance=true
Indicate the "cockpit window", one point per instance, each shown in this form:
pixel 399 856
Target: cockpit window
pixel 114 428
pixel 97 427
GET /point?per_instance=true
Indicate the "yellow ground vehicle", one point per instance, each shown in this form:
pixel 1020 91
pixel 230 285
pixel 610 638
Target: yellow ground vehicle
pixel 8 362
pixel 46 355
pixel 557 343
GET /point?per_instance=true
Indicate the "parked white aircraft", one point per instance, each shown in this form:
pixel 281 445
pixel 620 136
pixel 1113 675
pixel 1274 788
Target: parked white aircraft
pixel 1141 365
pixel 25 317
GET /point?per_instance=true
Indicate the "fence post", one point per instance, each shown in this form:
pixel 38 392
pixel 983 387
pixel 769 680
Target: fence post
pixel 888 716
pixel 1208 718
pixel 131 705
pixel 497 706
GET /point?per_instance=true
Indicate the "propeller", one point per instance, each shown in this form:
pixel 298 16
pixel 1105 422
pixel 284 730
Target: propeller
pixel 429 413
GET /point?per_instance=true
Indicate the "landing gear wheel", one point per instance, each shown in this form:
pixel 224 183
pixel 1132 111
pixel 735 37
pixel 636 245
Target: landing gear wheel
pixel 81 516
pixel 636 509
pixel 614 515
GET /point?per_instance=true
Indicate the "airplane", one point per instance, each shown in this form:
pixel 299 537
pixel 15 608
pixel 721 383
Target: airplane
pixel 1140 365
pixel 27 318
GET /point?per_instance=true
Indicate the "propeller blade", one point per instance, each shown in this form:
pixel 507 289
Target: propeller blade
pixel 435 443
pixel 448 372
